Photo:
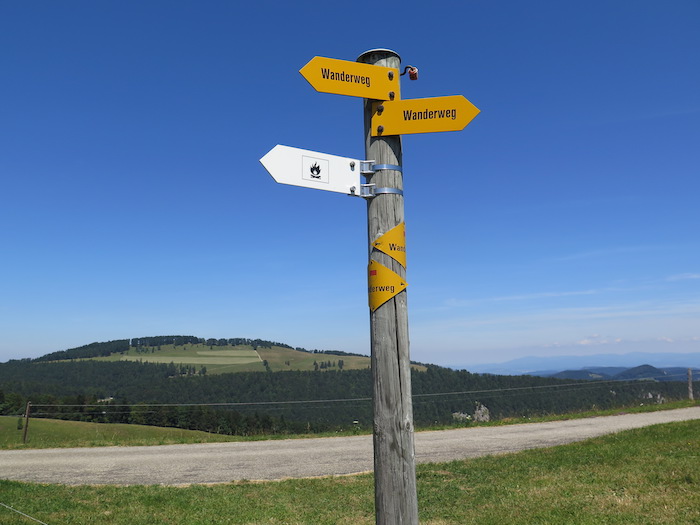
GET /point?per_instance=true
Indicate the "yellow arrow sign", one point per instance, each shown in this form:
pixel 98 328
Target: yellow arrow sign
pixel 383 284
pixel 422 115
pixel 342 77
pixel 393 243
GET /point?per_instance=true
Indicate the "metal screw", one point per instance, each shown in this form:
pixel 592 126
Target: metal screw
pixel 391 95
pixel 352 165
pixel 391 75
pixel 380 129
pixel 380 108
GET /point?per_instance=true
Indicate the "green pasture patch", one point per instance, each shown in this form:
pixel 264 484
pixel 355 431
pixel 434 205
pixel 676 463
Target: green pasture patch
pixel 195 359
pixel 216 359
pixel 288 359
pixel 242 358
pixel 251 354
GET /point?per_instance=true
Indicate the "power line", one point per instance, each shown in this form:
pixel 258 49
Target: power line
pixel 23 514
pixel 563 387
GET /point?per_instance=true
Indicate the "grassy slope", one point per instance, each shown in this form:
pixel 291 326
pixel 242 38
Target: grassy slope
pixel 224 359
pixel 53 433
pixel 278 358
pixel 645 476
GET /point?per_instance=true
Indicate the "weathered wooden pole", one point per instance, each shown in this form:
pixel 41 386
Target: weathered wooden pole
pixel 27 413
pixel 690 385
pixel 395 497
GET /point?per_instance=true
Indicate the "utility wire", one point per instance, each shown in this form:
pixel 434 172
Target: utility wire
pixel 23 514
pixel 563 387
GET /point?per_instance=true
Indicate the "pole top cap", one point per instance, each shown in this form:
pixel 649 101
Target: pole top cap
pixel 390 52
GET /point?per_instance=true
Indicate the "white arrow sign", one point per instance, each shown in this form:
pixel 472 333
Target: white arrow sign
pixel 310 169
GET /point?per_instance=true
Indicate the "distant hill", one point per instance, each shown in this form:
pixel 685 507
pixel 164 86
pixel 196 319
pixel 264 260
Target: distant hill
pixel 643 372
pixel 647 372
pixel 597 363
pixel 576 374
pixel 609 371
pixel 198 356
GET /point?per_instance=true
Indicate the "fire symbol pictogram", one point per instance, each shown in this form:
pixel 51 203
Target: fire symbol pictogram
pixel 315 171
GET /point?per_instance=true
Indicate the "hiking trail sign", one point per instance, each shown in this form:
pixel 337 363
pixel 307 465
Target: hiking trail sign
pixel 342 77
pixel 422 115
pixel 374 77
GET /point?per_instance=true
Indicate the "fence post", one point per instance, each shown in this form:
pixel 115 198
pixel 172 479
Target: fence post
pixel 27 412
pixel 690 384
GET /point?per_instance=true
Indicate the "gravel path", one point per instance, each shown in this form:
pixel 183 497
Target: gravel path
pixel 297 458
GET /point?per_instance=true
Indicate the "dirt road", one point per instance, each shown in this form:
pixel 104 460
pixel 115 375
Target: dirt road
pixel 296 458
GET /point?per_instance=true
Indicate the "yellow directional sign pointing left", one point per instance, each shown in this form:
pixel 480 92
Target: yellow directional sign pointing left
pixel 342 77
pixel 393 243
pixel 422 115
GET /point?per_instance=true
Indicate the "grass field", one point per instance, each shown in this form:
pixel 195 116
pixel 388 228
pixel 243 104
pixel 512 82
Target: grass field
pixel 644 476
pixel 53 433
pixel 224 359
pixel 56 433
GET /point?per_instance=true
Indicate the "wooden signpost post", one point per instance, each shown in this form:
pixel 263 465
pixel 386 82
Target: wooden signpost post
pixel 395 496
pixel 375 78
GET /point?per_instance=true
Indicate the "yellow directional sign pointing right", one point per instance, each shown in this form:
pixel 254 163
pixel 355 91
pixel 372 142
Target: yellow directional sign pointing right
pixel 383 284
pixel 422 115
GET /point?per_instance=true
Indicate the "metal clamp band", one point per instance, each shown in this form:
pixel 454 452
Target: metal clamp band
pixel 368 191
pixel 394 167
pixel 395 191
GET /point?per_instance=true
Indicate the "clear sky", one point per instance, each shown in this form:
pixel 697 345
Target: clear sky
pixel 565 219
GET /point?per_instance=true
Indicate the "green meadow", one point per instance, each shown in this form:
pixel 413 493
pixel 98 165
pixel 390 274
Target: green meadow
pixel 644 476
pixel 55 433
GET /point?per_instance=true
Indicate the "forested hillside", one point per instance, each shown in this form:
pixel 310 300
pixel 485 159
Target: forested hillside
pixel 88 351
pixel 123 345
pixel 198 355
pixel 293 401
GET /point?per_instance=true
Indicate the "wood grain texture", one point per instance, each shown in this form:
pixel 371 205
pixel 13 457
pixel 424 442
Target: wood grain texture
pixel 394 449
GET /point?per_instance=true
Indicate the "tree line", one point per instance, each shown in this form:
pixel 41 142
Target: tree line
pixel 292 400
pixel 88 351
pixel 105 349
pixel 181 340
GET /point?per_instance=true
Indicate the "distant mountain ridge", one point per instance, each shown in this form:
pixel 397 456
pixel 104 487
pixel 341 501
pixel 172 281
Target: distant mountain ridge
pixel 625 374
pixel 597 363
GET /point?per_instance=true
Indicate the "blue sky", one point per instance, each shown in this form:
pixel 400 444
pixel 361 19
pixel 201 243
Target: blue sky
pixel 563 220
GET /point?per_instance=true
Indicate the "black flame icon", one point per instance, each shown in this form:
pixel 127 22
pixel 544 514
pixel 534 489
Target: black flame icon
pixel 315 171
